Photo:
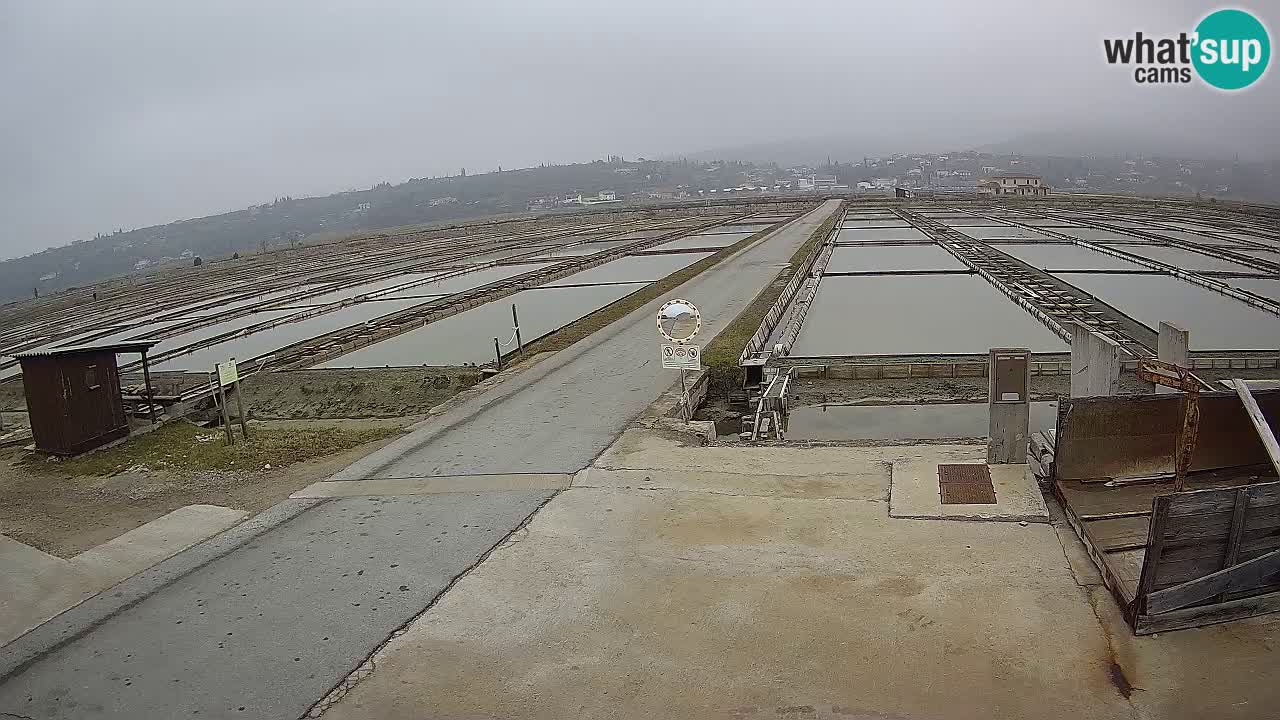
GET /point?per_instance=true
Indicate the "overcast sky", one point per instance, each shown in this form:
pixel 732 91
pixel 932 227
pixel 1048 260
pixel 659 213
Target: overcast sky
pixel 126 114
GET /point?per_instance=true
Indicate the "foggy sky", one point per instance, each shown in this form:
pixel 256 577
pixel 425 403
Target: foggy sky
pixel 126 114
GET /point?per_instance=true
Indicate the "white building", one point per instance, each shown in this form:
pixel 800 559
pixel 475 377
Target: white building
pixel 604 196
pixel 1013 184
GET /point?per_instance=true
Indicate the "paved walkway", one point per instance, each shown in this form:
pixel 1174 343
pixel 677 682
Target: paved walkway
pixel 264 628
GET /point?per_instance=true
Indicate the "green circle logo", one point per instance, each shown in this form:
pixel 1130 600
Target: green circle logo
pixel 1232 49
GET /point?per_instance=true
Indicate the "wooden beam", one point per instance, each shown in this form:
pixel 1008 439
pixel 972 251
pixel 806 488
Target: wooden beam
pixel 1236 533
pixel 1237 577
pixel 1155 546
pixel 1202 615
pixel 1259 422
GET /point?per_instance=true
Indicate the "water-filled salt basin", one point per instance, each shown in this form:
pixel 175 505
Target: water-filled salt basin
pixel 465 281
pixel 632 268
pixel 581 250
pixel 1264 287
pixel 889 258
pixel 1216 322
pixel 1060 256
pixel 961 221
pixel 209 331
pixel 357 290
pixel 865 224
pixel 917 314
pixel 904 422
pixel 1187 259
pixel 703 241
pixel 1269 255
pixel 468 336
pixel 861 234
pixel 987 232
pixel 1193 237
pixel 245 347
pixel 1098 235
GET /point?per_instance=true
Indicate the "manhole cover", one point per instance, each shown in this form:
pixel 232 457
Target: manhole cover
pixel 966 485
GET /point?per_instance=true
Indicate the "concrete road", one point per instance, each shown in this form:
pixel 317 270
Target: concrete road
pixel 266 628
pixel 560 415
pixel 685 582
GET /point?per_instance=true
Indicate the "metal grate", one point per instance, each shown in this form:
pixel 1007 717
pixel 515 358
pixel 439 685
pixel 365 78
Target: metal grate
pixel 966 484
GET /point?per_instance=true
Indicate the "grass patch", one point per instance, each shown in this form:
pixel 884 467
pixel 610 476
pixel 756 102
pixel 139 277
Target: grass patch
pixel 186 447
pixel 720 357
pixel 585 326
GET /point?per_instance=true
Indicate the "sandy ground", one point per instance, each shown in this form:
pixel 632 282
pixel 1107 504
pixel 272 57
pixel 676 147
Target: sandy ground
pixel 64 514
pixel 683 582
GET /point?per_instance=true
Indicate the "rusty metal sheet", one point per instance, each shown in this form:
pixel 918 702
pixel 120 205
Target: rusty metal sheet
pixel 966 484
pixel 1130 436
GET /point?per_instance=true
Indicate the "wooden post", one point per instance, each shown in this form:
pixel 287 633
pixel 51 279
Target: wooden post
pixel 146 379
pixel 226 418
pixel 497 354
pixel 515 320
pixel 240 408
pixel 1173 347
pixel 1259 421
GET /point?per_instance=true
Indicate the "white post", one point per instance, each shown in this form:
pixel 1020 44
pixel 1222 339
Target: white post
pixel 1095 364
pixel 1174 346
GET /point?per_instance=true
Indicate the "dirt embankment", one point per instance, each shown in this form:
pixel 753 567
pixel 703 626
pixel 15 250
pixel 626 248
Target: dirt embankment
pixel 362 393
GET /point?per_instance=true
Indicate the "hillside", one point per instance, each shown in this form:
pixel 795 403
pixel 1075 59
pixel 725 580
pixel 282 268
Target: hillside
pixel 288 220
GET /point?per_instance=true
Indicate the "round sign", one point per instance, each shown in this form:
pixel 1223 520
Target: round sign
pixel 679 320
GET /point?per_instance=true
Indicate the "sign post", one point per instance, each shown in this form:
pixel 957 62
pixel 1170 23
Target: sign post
pixel 229 375
pixel 679 322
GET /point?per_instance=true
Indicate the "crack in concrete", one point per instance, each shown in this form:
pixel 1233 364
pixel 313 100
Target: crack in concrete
pixel 1115 671
pixel 369 666
pixel 15 716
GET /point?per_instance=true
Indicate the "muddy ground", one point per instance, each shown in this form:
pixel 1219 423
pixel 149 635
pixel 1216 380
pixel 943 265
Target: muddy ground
pixel 820 391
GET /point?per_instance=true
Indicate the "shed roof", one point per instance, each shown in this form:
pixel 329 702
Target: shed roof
pixel 129 346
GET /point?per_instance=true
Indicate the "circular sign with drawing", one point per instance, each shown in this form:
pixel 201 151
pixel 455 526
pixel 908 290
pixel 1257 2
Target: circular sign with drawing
pixel 679 320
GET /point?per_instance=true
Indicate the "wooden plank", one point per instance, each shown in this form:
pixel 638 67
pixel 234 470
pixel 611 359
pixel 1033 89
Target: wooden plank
pixel 1123 592
pixel 1155 546
pixel 1210 525
pixel 1236 535
pixel 1207 614
pixel 1092 500
pixel 1267 437
pixel 1238 577
pixel 1180 565
pixel 1212 500
pixel 1123 533
pixel 1237 529
pixel 1126 566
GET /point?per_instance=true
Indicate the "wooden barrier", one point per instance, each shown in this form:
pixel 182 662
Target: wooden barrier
pixel 1173 559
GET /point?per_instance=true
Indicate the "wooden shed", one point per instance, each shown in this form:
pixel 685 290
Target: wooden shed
pixel 73 395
